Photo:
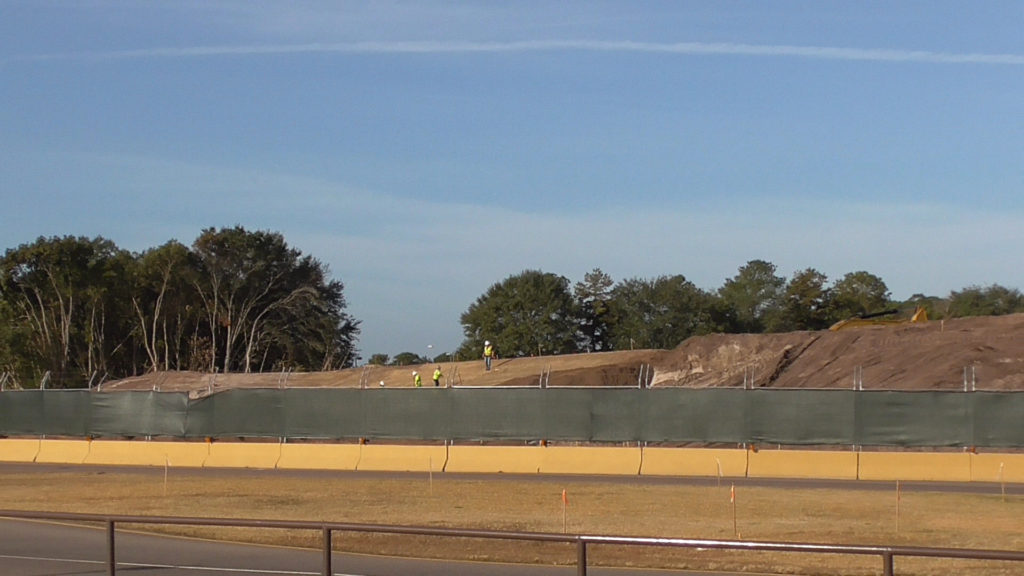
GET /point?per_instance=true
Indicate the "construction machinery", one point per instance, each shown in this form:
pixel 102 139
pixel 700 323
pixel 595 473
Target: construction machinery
pixel 884 318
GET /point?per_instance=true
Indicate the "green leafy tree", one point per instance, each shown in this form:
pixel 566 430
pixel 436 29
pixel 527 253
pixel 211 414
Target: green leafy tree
pixel 65 295
pixel 658 313
pixel 313 332
pixel 807 301
pixel 14 351
pixel 443 357
pixel 162 297
pixel 254 289
pixel 593 300
pixel 408 359
pixel 111 337
pixel 79 307
pixel 991 300
pixel 754 297
pixel 529 313
pixel 720 316
pixel 859 293
pixel 379 359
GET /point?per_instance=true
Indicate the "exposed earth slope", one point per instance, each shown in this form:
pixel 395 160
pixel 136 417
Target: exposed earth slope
pixel 987 352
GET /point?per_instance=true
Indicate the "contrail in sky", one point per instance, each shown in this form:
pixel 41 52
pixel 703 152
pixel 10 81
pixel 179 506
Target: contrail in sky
pixel 681 48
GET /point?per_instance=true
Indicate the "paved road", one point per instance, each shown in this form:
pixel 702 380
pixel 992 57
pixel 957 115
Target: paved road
pixel 29 548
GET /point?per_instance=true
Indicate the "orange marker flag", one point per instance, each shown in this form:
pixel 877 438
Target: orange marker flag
pixel 565 505
pixel 898 505
pixel 732 501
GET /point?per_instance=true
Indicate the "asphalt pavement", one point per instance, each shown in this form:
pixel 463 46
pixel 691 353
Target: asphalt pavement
pixel 34 548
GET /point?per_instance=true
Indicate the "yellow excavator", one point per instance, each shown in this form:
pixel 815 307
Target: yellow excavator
pixel 884 318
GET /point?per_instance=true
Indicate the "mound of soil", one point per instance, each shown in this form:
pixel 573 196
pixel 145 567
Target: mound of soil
pixel 987 353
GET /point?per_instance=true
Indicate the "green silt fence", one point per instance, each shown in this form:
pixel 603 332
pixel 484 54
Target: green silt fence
pixel 598 415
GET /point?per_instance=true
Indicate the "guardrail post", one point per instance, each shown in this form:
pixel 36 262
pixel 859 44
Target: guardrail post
pixel 887 563
pixel 581 557
pixel 111 554
pixel 327 552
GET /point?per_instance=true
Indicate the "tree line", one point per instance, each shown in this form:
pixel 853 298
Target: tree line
pixel 75 310
pixel 539 313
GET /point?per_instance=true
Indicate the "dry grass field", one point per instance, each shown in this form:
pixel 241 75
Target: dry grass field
pixel 595 506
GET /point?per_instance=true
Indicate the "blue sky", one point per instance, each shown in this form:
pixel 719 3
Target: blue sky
pixel 427 150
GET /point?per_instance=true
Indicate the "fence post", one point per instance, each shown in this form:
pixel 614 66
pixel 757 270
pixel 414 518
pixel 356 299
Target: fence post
pixel 327 552
pixel 581 557
pixel 111 554
pixel 887 563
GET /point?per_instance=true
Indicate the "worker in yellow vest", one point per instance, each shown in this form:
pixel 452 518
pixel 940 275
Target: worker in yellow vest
pixel 488 354
pixel 416 379
pixel 437 376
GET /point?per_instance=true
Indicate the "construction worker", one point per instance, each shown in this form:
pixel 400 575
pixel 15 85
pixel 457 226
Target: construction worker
pixel 437 376
pixel 416 379
pixel 488 354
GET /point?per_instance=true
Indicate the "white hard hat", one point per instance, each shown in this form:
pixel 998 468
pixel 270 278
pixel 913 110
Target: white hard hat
pixel 487 342
pixel 413 372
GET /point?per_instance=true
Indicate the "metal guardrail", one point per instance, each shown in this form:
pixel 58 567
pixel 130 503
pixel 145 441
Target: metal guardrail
pixel 886 553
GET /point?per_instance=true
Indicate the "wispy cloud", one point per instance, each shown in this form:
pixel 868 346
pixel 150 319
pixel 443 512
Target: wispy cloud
pixel 448 47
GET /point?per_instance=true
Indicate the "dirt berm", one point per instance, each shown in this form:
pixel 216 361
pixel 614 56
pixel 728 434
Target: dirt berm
pixel 987 353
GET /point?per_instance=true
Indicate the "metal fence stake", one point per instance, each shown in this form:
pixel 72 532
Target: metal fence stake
pixel 111 554
pixel 581 557
pixel 328 569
